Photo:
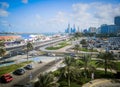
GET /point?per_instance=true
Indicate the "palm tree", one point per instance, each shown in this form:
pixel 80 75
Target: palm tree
pixel 83 41
pixel 29 48
pixel 77 35
pixel 46 80
pixel 2 52
pixel 2 49
pixel 68 61
pixel 2 44
pixel 76 48
pixel 87 64
pixel 106 61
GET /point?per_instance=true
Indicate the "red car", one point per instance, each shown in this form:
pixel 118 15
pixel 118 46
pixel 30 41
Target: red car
pixel 6 78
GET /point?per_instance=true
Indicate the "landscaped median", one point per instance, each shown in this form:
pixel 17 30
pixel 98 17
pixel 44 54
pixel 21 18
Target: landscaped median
pixel 88 50
pixel 58 46
pixel 8 69
pixel 81 81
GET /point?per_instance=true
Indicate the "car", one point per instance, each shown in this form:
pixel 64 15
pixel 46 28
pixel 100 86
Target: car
pixel 6 78
pixel 51 54
pixel 20 53
pixel 19 71
pixel 29 67
pixel 73 55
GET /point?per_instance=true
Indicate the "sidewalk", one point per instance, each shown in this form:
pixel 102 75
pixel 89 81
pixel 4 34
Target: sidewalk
pixel 103 83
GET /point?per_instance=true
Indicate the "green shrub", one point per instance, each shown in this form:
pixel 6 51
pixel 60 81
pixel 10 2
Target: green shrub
pixel 56 73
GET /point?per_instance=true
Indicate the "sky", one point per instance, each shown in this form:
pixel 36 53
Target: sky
pixel 39 16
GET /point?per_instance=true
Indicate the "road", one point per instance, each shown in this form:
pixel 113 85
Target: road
pixel 20 80
pixel 37 44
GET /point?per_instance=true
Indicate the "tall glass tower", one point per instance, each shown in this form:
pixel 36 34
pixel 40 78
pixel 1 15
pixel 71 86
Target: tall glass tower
pixel 117 20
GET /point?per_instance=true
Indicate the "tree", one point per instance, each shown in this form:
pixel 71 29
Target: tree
pixel 2 49
pixel 2 44
pixel 83 42
pixel 87 64
pixel 76 48
pixel 29 48
pixel 2 52
pixel 68 61
pixel 77 35
pixel 46 80
pixel 106 61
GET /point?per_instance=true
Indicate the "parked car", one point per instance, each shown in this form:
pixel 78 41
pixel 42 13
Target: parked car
pixel 51 54
pixel 20 53
pixel 19 71
pixel 6 78
pixel 29 67
pixel 73 55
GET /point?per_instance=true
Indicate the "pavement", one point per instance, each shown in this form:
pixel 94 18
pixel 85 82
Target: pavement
pixel 20 80
pixel 103 83
pixel 65 49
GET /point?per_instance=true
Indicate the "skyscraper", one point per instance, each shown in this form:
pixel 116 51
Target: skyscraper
pixel 117 20
pixel 70 30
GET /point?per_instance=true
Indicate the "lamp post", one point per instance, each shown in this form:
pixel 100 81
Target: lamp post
pixel 30 78
pixel 107 49
pixel 92 76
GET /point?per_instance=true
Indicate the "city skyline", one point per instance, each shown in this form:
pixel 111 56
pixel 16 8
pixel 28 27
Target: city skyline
pixel 55 15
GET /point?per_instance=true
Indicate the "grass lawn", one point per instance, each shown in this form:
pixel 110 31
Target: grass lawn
pixel 82 80
pixel 73 84
pixel 88 50
pixel 118 65
pixel 93 62
pixel 8 69
pixel 58 46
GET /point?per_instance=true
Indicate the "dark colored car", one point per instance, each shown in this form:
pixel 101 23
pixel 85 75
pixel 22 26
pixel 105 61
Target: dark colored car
pixel 73 55
pixel 6 78
pixel 29 67
pixel 19 71
pixel 20 53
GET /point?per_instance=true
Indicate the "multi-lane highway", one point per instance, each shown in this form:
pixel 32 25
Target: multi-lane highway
pixel 15 50
pixel 37 43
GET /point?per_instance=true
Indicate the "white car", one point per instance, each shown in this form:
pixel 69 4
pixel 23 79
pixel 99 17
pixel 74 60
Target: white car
pixel 51 54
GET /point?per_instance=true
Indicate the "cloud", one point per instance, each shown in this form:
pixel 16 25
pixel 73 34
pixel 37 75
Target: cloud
pixel 83 15
pixel 94 14
pixel 3 13
pixel 25 1
pixel 3 22
pixel 60 18
pixel 4 5
pixel 58 22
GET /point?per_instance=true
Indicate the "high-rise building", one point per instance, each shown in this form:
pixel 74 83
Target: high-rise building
pixel 92 30
pixel 98 30
pixel 78 30
pixel 70 30
pixel 109 29
pixel 117 20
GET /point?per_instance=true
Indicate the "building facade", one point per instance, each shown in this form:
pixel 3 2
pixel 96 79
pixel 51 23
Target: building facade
pixel 70 30
pixel 117 20
pixel 111 29
pixel 92 30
